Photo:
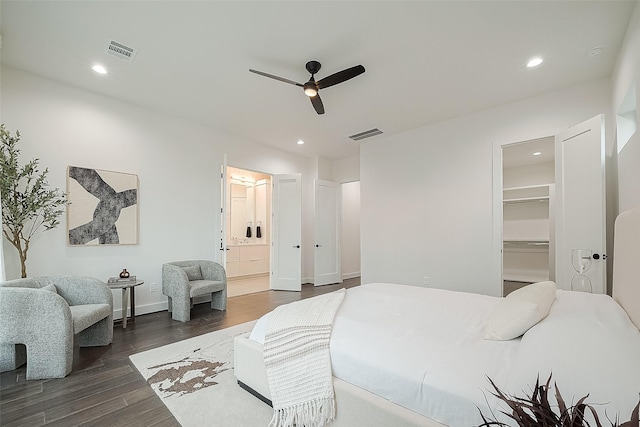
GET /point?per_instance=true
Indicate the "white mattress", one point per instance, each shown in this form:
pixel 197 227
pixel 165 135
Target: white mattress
pixel 422 348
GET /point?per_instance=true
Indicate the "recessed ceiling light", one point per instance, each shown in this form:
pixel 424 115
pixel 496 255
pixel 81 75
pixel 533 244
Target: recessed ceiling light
pixel 300 142
pixel 99 69
pixel 537 153
pixel 595 51
pixel 534 62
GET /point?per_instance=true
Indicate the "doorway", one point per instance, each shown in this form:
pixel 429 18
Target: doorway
pixel 528 187
pixel 569 235
pixel 248 207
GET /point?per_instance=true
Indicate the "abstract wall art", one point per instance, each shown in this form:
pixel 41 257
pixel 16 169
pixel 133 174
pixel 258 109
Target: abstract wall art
pixel 103 207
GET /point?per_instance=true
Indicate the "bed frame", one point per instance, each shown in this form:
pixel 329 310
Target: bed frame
pixel 356 406
pixel 626 263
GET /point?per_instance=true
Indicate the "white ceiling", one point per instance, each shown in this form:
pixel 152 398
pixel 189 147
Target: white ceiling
pixel 425 61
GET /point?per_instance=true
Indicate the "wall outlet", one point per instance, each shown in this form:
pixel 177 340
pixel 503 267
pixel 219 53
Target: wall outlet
pixel 426 281
pixel 154 287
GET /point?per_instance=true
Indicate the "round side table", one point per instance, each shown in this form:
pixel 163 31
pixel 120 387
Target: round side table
pixel 125 301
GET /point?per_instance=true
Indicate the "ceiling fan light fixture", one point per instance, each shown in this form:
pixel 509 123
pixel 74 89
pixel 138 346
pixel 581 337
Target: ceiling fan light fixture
pixel 310 89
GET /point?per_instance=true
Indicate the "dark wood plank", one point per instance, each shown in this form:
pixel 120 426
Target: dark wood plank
pixel 105 389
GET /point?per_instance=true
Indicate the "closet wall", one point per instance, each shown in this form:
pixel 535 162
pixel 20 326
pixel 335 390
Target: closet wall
pixel 528 206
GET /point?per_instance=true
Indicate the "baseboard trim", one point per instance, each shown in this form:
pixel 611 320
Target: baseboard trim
pixel 143 309
pixel 164 306
pixel 247 276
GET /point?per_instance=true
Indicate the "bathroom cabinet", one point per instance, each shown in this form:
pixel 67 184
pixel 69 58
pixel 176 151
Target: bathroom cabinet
pixel 247 259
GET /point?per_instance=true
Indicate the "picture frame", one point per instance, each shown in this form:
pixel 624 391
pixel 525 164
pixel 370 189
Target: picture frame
pixel 103 207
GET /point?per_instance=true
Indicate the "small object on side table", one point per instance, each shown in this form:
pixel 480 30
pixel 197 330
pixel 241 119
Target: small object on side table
pixel 124 284
pixel 124 274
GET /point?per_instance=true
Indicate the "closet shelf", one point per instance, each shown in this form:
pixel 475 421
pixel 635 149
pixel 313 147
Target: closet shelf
pixel 528 187
pixel 526 278
pixel 541 243
pixel 526 194
pixel 526 200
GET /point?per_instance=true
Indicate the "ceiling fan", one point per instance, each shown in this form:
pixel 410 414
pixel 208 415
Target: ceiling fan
pixel 312 87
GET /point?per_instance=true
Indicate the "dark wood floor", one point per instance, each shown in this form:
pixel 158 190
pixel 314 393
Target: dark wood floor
pixel 105 389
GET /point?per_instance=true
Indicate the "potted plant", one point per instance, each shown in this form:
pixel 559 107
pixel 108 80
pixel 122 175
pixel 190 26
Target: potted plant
pixel 29 206
pixel 536 410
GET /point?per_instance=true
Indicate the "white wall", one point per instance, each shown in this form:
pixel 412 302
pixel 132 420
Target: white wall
pixel 427 198
pixel 521 176
pixel 177 163
pixel 626 76
pixel 346 169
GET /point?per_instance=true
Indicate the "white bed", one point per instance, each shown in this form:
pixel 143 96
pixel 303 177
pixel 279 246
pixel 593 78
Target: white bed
pixel 396 361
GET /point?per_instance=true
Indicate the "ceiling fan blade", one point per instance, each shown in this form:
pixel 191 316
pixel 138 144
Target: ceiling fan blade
pixel 271 76
pixel 317 103
pixel 340 76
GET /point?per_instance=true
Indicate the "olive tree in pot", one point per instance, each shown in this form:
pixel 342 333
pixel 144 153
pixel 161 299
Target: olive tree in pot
pixel 29 205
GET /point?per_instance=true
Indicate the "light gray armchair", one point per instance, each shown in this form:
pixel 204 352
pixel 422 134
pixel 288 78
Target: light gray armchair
pixel 183 280
pixel 40 316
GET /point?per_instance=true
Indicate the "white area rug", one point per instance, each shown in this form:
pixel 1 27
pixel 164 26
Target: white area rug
pixel 194 378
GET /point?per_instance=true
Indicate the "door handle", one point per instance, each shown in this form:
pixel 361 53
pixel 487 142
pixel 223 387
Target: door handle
pixel 296 246
pixel 597 256
pixel 317 246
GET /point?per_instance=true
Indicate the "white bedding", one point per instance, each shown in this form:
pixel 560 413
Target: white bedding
pixel 423 349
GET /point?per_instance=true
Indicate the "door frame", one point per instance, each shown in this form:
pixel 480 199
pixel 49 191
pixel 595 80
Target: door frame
pixel 223 212
pixel 498 194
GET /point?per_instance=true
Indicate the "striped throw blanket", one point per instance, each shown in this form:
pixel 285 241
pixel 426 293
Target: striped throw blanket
pixel 298 362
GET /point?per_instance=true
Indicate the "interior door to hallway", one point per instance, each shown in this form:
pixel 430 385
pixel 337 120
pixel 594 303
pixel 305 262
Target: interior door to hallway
pixel 286 249
pixel 326 250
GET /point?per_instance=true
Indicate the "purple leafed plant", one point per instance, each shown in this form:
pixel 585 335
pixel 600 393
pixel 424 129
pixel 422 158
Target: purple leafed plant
pixel 537 411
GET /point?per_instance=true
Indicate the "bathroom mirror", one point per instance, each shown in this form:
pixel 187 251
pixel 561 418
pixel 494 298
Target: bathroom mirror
pixel 238 212
pixel 248 198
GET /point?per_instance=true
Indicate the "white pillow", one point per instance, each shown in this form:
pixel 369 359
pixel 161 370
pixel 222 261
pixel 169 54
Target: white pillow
pixel 519 311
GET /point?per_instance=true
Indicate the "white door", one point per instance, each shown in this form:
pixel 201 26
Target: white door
pixel 223 213
pixel 326 249
pixel 580 189
pixel 286 251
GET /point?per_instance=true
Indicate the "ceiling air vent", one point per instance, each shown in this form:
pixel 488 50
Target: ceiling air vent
pixel 366 134
pixel 121 51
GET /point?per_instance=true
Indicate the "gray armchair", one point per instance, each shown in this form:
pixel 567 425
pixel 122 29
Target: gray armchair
pixel 40 316
pixel 183 280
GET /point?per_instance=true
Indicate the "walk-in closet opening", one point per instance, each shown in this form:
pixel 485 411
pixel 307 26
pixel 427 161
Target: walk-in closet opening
pixel 528 177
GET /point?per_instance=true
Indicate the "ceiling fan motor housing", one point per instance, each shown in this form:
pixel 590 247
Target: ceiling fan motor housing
pixel 313 67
